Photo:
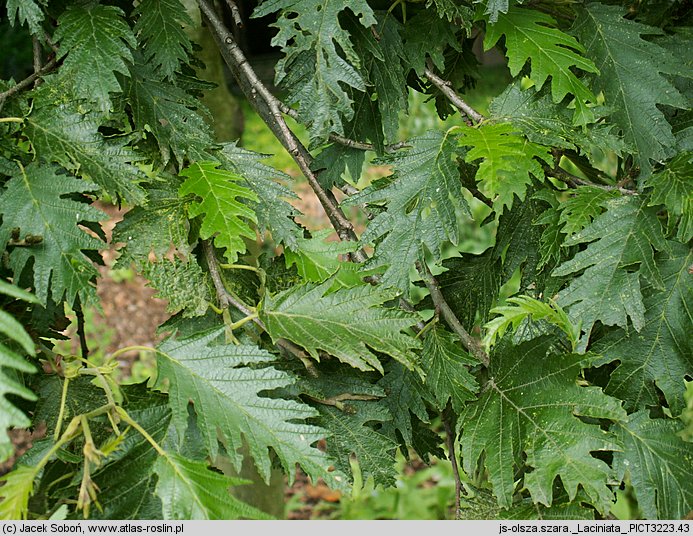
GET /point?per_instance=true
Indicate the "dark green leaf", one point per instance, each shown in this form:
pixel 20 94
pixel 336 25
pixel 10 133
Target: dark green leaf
pixel 446 365
pixel 660 465
pixel 96 41
pixel 660 355
pixel 160 31
pixel 37 201
pixel 631 78
pixel 349 323
pixel 529 408
pixel 619 254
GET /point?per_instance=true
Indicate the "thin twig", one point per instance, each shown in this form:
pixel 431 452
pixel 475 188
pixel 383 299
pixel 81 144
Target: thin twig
pixel 574 181
pixel 442 307
pixel 266 105
pixel 446 89
pixel 28 80
pixel 38 60
pixel 450 443
pixel 235 13
pixel 225 299
pixel 347 142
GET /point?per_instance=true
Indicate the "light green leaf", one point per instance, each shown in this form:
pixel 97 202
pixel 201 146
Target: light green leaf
pixel 661 355
pixel 349 324
pixel 660 465
pixel 11 415
pixel 509 161
pixel 536 116
pixel 188 489
pixel 218 194
pixel 26 11
pixel 619 254
pixel 631 78
pixel 274 213
pixel 531 35
pixel 224 381
pixel 528 415
pixel 315 258
pixel 446 365
pixel 37 201
pixel 18 487
pixel 160 30
pixel 96 41
pixel 673 188
pixel 312 37
pixel 522 308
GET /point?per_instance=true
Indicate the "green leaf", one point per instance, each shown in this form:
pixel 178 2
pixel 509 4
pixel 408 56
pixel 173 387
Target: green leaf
pixel 673 188
pixel 405 394
pixel 315 258
pixel 426 36
pixel 509 161
pixel 160 31
pixel 72 139
pixel 157 228
pixel 352 435
pixel 218 195
pixel 531 35
pixel 311 36
pixel 26 11
pixel 274 213
pixel 421 199
pixel 630 78
pixel 562 509
pixel 528 415
pixel 618 255
pixel 661 355
pixel 169 113
pixel 446 365
pixel 470 284
pixel 582 206
pixel 536 116
pixel 224 382
pixel 659 463
pixel 526 307
pixel 127 479
pixel 453 11
pixel 348 324
pixel 18 487
pixel 11 415
pixel 493 8
pixel 182 284
pixel 381 68
pixel 37 201
pixel 96 41
pixel 188 489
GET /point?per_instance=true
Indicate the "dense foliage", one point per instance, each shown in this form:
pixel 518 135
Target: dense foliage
pixel 550 367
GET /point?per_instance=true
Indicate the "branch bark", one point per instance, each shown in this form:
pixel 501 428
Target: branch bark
pixel 442 307
pixel 445 88
pixel 225 299
pixel 28 80
pixel 267 106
